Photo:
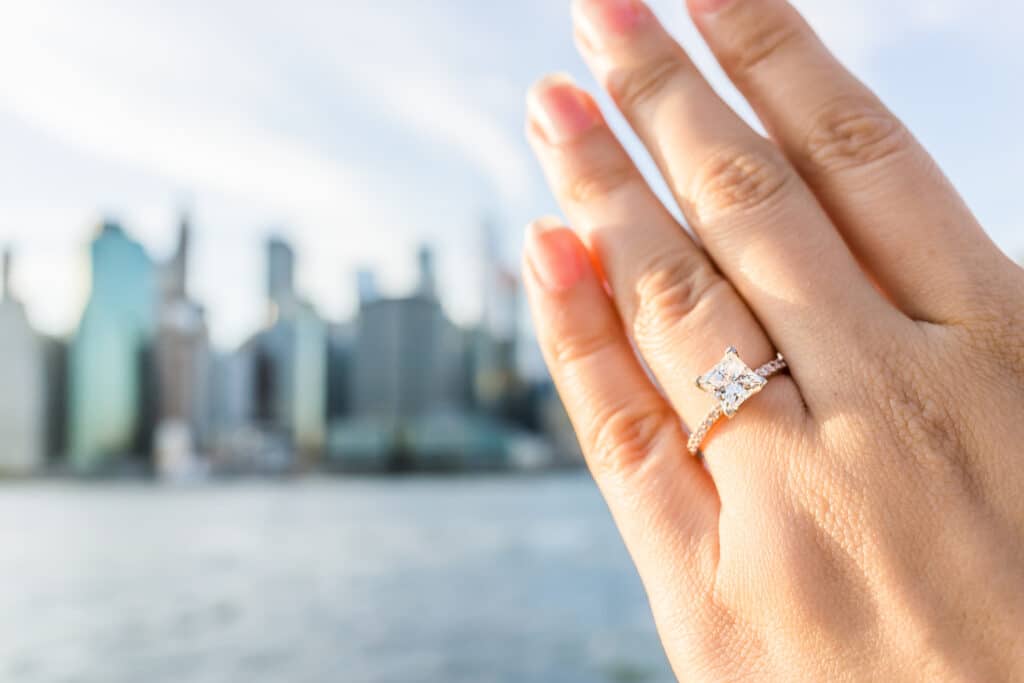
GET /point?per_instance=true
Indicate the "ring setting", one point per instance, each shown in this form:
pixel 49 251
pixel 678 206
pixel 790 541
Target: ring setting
pixel 731 382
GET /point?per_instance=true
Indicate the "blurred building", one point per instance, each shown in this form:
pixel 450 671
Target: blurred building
pixel 283 369
pixel 411 396
pixel 23 399
pixel 183 367
pixel 408 354
pixel 56 351
pixel 427 286
pixel 280 274
pixel 340 366
pixel 366 285
pixel 112 382
pixel 494 360
pixel 407 359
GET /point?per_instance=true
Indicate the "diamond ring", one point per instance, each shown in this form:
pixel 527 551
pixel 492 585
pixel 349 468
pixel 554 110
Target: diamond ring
pixel 732 382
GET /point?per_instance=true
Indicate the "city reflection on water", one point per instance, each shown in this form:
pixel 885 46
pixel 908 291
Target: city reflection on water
pixel 361 580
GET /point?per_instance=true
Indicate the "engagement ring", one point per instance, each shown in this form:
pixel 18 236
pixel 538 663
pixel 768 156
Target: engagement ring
pixel 732 382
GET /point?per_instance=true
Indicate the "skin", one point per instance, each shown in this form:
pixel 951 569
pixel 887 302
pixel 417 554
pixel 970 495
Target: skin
pixel 861 518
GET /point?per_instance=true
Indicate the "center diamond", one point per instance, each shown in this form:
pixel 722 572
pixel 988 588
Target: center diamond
pixel 731 382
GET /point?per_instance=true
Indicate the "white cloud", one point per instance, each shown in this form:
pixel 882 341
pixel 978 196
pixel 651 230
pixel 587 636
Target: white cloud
pixel 192 95
pixel 181 139
pixel 362 125
pixel 399 60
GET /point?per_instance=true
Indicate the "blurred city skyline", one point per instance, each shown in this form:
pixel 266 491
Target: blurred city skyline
pixel 398 387
pixel 359 130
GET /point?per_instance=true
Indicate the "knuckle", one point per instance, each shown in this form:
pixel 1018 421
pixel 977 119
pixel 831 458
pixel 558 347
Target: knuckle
pixel 568 350
pixel 738 181
pixel 626 435
pixel 670 290
pixel 854 132
pixel 634 88
pixel 1012 340
pixel 597 181
pixel 995 330
pixel 923 426
pixel 996 336
pixel 761 41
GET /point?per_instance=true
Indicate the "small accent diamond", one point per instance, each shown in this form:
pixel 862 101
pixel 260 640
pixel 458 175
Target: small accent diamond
pixel 731 382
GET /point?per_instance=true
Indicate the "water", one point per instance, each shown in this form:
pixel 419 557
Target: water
pixel 364 581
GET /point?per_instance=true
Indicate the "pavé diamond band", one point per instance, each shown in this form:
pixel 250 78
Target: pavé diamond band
pixel 732 383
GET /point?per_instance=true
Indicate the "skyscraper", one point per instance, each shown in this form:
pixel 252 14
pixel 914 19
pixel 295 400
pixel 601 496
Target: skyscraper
pixel 287 362
pixel 366 286
pixel 183 365
pixel 280 273
pixel 111 375
pixel 23 399
pixel 495 362
pixel 407 353
pixel 428 275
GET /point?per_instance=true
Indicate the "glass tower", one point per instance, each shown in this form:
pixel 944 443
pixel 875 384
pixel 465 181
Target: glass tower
pixel 110 375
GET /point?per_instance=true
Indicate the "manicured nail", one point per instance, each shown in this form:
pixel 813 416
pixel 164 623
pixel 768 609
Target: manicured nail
pixel 561 110
pixel 555 254
pixel 601 20
pixel 708 6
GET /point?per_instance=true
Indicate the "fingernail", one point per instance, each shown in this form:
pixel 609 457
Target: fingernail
pixel 555 255
pixel 561 110
pixel 599 20
pixel 708 6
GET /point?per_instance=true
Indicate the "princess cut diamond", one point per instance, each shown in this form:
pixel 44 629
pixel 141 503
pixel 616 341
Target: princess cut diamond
pixel 731 382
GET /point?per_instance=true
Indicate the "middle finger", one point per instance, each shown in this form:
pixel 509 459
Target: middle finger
pixel 758 220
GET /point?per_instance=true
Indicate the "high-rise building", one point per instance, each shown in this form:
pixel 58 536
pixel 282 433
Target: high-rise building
pixel 183 365
pixel 495 349
pixel 175 271
pixel 366 285
pixel 56 352
pixel 408 354
pixel 309 380
pixel 340 343
pixel 23 399
pixel 428 273
pixel 111 365
pixel 411 401
pixel 280 273
pixel 286 363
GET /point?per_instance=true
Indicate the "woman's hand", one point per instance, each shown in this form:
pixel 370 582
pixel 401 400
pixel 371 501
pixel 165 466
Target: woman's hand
pixel 861 518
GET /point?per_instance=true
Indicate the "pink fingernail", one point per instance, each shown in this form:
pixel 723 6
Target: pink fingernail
pixel 601 19
pixel 561 110
pixel 556 255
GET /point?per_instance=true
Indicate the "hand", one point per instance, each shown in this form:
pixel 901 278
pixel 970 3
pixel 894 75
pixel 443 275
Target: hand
pixel 862 518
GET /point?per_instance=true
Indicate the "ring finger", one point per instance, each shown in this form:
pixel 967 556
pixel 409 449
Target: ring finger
pixel 680 312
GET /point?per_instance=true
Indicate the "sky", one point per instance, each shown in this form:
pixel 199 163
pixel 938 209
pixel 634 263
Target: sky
pixel 360 129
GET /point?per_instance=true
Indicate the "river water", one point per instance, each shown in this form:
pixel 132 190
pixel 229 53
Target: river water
pixel 348 580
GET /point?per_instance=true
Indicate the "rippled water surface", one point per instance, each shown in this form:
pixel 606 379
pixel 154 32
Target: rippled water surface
pixel 518 579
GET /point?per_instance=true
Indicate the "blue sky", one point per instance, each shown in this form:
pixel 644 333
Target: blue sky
pixel 361 128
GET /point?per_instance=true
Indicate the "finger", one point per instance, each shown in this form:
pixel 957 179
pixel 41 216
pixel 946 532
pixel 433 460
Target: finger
pixel 897 211
pixel 757 219
pixel 678 309
pixel 663 501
